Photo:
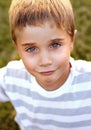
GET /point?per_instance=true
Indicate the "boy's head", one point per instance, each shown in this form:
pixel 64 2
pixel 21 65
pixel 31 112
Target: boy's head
pixel 37 12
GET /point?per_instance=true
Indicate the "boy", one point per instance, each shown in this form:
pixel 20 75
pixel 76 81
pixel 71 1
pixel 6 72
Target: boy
pixel 48 89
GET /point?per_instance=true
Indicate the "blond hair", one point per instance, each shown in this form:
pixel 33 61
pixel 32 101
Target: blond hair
pixel 36 12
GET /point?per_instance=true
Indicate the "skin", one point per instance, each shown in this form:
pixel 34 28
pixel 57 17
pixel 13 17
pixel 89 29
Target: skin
pixel 45 51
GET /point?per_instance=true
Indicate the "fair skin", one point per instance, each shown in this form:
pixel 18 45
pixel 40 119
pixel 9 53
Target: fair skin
pixel 45 51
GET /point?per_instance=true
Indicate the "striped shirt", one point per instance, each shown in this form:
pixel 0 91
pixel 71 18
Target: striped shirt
pixel 67 108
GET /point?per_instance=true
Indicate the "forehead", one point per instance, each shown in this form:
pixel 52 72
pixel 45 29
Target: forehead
pixel 38 34
pixel 39 28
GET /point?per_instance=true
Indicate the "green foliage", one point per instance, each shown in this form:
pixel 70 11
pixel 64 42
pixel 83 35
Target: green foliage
pixel 82 48
pixel 7 115
pixel 7 49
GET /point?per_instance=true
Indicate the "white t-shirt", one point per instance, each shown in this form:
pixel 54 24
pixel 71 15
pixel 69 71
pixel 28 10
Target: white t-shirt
pixel 67 108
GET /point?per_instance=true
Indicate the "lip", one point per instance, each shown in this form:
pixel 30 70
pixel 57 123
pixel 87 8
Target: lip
pixel 47 73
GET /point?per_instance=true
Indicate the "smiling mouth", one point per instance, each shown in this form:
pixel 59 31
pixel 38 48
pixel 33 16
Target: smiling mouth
pixel 47 73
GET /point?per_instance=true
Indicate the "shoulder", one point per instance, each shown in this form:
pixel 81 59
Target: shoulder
pixel 14 69
pixel 12 65
pixel 81 71
pixel 16 64
pixel 81 65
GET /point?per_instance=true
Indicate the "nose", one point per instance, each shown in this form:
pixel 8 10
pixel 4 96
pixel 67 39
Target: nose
pixel 45 59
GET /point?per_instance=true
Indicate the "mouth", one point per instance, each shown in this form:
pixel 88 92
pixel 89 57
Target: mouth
pixel 47 73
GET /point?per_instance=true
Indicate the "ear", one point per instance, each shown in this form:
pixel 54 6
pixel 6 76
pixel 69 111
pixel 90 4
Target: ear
pixel 14 42
pixel 73 39
pixel 75 32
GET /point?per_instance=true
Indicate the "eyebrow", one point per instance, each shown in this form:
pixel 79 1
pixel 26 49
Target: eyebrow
pixel 29 43
pixel 57 39
pixel 33 43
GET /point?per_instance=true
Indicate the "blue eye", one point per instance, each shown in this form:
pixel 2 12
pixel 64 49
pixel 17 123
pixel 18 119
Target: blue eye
pixel 55 45
pixel 31 49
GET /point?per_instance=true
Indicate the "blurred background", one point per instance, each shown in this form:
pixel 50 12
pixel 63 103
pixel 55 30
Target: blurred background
pixel 82 48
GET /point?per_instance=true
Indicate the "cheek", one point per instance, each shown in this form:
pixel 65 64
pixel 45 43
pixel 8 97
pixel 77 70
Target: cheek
pixel 29 63
pixel 62 58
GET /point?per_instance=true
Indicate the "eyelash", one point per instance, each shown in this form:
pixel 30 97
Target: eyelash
pixel 31 49
pixel 34 49
pixel 55 45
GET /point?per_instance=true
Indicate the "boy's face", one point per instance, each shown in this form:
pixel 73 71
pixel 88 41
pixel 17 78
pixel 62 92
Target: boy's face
pixel 45 51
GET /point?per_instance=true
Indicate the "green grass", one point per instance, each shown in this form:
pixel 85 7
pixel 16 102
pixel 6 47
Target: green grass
pixel 82 48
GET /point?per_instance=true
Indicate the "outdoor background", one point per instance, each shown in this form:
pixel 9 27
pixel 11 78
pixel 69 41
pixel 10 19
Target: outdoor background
pixel 82 49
